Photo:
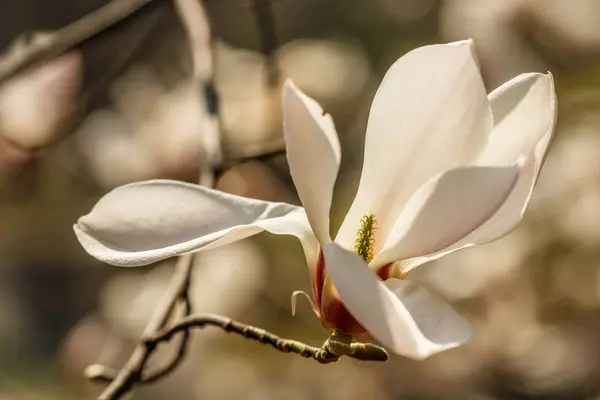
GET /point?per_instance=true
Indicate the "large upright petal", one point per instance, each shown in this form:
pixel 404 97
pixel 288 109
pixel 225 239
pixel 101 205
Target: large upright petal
pixel 446 209
pixel 525 111
pixel 430 114
pixel 140 223
pixel 314 155
pixel 404 318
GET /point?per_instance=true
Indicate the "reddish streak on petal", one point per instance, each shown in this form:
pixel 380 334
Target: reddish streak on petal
pixel 385 272
pixel 334 313
pixel 319 278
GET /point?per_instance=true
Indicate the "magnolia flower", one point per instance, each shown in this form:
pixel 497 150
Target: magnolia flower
pixel 445 167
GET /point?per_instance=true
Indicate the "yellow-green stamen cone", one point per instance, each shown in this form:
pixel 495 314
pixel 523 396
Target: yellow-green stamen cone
pixel 365 240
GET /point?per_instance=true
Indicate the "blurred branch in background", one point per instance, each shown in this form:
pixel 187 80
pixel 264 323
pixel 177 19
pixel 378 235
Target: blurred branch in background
pixel 43 46
pixel 132 372
pixel 195 21
pixel 265 20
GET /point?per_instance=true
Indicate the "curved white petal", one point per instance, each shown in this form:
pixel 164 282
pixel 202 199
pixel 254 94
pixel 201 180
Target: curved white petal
pixel 525 112
pixel 311 303
pixel 446 209
pixel 418 329
pixel 434 317
pixel 314 155
pixel 141 223
pixel 430 114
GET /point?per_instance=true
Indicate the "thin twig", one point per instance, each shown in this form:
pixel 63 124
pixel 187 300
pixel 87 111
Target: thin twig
pixel 181 351
pixel 128 51
pixel 50 45
pixel 195 21
pixel 265 21
pixel 131 373
pixel 336 346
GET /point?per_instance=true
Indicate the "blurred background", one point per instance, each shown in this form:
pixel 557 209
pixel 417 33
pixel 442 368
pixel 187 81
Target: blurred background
pixel 125 106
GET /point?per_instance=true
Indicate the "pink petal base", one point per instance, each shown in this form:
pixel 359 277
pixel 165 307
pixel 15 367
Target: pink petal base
pixel 334 313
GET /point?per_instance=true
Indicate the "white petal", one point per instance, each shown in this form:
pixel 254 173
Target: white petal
pixel 430 114
pixel 446 209
pixel 418 329
pixel 140 223
pixel 525 113
pixel 314 155
pixel 434 317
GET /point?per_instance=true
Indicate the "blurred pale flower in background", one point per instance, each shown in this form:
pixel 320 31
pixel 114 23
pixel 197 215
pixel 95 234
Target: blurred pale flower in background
pixel 445 168
pixel 501 47
pixel 513 36
pixel 254 179
pixel 250 123
pixel 575 189
pixel 466 274
pixel 332 72
pixel 154 131
pixel 37 110
pixel 400 12
pixel 36 106
pixel 562 26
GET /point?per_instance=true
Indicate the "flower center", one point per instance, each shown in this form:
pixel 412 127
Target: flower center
pixel 365 238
